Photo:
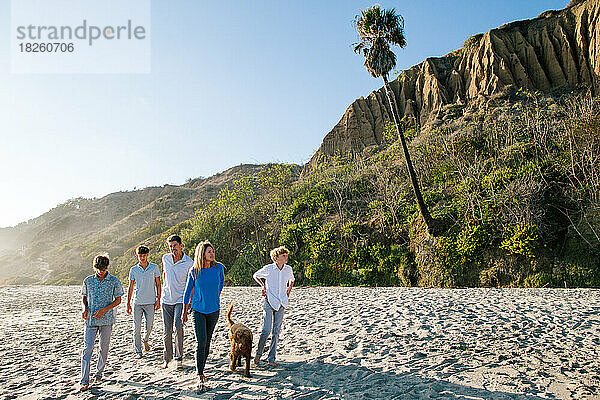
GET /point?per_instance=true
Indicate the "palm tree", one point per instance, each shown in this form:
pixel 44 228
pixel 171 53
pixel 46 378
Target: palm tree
pixel 378 29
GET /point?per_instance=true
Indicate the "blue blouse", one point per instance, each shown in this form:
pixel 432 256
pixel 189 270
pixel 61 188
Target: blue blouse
pixel 204 288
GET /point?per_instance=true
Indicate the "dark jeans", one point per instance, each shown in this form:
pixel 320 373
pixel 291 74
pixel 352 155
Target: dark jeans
pixel 204 325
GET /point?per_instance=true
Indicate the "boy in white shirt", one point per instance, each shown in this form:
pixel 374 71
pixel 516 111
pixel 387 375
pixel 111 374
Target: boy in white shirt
pixel 276 280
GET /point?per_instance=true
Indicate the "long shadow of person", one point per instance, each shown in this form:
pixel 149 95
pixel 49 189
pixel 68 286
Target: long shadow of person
pixel 319 380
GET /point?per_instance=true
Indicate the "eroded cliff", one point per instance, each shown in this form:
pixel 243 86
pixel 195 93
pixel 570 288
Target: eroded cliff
pixel 558 48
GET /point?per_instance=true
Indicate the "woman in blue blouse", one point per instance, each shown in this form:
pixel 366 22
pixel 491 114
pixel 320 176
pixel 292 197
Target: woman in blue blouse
pixel 202 294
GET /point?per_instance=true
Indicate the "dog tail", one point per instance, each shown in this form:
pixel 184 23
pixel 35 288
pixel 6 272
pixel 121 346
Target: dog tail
pixel 229 309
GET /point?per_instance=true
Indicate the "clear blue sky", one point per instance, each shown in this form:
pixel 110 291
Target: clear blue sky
pixel 240 82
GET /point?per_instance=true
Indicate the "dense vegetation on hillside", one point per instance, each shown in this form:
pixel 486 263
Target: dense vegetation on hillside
pixel 515 183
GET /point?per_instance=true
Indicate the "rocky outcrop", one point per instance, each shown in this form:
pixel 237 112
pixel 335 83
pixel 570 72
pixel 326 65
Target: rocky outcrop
pixel 558 48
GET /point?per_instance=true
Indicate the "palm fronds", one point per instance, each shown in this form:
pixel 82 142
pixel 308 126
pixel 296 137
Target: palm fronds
pixel 378 29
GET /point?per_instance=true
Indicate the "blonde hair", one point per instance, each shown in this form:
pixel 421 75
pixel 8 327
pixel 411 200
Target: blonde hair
pixel 199 255
pixel 276 252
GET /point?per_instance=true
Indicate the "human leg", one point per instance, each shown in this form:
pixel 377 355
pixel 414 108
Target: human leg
pixel 89 337
pixel 277 322
pixel 267 327
pixel 105 332
pixel 137 328
pixel 168 312
pixel 204 325
pixel 178 331
pixel 211 323
pixel 149 315
pixel 200 330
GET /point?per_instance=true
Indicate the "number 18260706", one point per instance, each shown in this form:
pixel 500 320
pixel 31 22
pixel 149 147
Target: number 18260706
pixel 46 47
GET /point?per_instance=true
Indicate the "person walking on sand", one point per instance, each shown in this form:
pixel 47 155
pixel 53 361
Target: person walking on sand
pixel 101 293
pixel 145 278
pixel 276 281
pixel 176 266
pixel 202 295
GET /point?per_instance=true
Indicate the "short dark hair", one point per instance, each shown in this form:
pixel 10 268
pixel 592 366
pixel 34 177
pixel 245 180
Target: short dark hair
pixel 142 250
pixel 174 238
pixel 101 262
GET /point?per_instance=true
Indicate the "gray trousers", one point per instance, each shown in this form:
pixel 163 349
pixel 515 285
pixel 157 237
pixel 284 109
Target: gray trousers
pixel 172 316
pixel 272 321
pixel 148 311
pixel 89 338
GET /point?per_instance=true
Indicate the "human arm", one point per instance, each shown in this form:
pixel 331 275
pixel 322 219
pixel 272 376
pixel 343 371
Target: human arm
pixel 187 296
pixel 130 295
pixel 100 313
pixel 260 278
pixel 86 311
pixel 291 280
pixel 221 279
pixel 158 292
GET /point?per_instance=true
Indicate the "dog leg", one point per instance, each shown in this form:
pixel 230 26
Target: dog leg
pixel 247 370
pixel 233 363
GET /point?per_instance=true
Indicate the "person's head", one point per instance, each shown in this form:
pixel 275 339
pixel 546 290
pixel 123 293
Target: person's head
pixel 142 254
pixel 204 254
pixel 174 243
pixel 100 264
pixel 279 255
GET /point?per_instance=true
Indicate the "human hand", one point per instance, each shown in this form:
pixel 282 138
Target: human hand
pixel 264 291
pixel 128 308
pixel 100 313
pixel 184 317
pixel 85 313
pixel 157 305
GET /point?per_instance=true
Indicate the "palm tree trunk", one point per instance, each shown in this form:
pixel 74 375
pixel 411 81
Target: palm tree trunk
pixel 429 221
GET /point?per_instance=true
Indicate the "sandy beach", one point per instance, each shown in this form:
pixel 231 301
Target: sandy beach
pixel 350 343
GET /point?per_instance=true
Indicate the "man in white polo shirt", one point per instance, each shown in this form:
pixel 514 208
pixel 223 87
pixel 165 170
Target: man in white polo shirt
pixel 145 277
pixel 176 266
pixel 276 280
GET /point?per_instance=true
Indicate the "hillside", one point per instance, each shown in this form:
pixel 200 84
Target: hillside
pixel 504 135
pixel 556 49
pixel 68 235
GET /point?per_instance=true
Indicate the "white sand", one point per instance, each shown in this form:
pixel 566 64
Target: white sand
pixel 354 343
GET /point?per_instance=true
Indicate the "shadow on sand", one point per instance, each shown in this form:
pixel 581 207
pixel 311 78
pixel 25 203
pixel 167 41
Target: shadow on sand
pixel 310 380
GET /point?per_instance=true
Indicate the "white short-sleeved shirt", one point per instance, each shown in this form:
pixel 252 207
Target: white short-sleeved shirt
pixel 277 281
pixel 175 278
pixel 145 283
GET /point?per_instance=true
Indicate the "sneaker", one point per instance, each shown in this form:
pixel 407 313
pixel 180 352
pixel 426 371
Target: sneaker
pixel 137 356
pixel 179 364
pixel 146 347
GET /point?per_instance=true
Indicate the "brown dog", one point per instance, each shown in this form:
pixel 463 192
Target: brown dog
pixel 241 343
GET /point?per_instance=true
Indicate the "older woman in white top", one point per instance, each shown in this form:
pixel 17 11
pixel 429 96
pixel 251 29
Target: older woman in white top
pixel 276 280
